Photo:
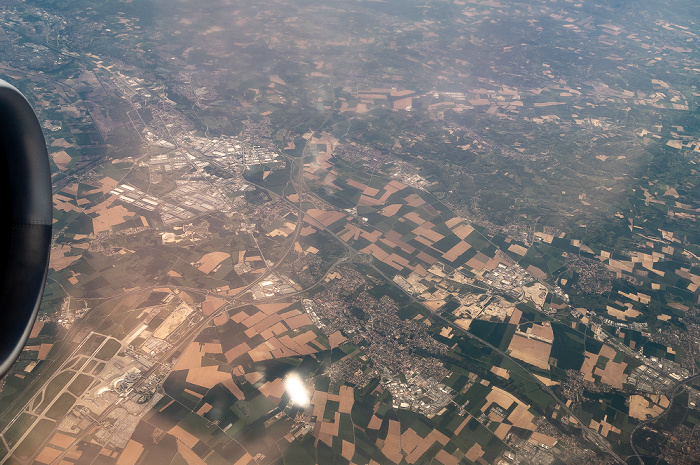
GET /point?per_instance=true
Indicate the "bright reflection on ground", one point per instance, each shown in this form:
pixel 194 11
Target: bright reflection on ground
pixel 297 391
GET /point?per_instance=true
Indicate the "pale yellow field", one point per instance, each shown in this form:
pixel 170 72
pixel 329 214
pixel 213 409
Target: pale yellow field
pixel 531 351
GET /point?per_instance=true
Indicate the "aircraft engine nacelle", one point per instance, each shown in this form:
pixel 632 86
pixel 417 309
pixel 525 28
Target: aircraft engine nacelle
pixel 26 205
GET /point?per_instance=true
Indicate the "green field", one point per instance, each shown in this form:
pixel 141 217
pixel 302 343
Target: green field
pixel 108 350
pixel 61 406
pixel 35 439
pixel 79 384
pixel 18 428
pixel 54 387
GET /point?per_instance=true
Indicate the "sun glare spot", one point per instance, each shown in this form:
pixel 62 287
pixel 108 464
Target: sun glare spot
pixel 297 391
